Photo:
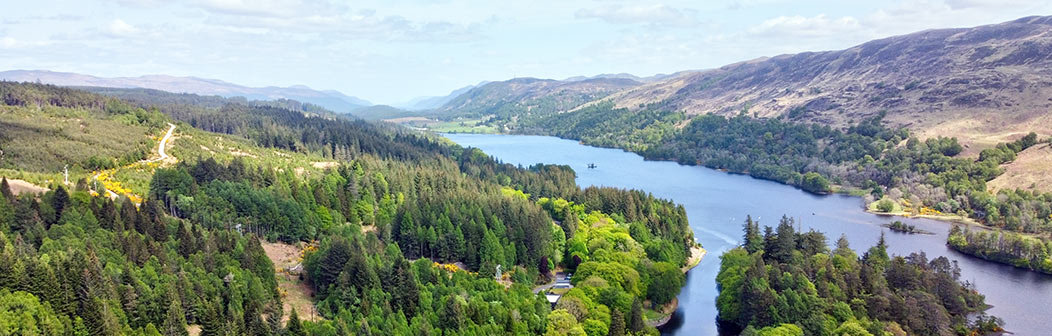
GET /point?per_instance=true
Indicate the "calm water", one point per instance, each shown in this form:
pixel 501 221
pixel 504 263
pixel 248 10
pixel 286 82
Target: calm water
pixel 717 203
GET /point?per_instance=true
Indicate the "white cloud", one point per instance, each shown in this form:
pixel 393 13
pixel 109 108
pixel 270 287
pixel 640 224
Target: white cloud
pixel 142 3
pixel 266 8
pixel 359 25
pixel 120 28
pixel 988 4
pixel 656 14
pixel 8 42
pixel 800 26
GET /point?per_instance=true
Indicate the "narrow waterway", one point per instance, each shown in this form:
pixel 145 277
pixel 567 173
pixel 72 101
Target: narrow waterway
pixel 717 204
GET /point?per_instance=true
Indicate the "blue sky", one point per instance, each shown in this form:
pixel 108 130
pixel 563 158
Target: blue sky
pixel 392 51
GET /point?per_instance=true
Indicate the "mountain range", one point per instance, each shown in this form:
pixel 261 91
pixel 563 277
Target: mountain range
pixel 432 102
pixel 983 85
pixel 329 99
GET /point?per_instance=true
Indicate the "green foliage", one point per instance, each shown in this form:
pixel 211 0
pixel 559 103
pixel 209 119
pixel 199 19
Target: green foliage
pixel 814 182
pixel 666 280
pixel 561 323
pixel 885 205
pixel 22 313
pixel 1006 247
pixel 811 291
pixel 293 327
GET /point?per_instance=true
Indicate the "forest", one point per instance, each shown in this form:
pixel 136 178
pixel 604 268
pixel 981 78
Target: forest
pixel 786 282
pixel 1006 247
pixel 389 219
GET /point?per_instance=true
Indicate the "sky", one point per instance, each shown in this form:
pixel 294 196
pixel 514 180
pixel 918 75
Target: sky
pixel 392 51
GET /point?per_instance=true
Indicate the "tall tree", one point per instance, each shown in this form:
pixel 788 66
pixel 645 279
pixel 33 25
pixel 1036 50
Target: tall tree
pixel 294 327
pixel 175 320
pixel 617 323
pixel 5 190
pixel 753 239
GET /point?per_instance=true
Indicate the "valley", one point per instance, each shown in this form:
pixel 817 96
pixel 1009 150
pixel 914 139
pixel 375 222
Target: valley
pixel 790 168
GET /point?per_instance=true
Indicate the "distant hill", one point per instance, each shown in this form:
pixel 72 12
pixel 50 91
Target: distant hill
pixel 380 112
pixel 622 75
pixel 332 100
pixel 505 99
pixel 427 103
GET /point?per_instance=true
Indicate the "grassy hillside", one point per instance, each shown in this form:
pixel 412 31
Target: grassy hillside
pixel 41 133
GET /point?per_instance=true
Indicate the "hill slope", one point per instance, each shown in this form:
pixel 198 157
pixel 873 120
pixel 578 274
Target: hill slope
pixel 980 84
pixel 329 99
pixel 984 85
pixel 506 100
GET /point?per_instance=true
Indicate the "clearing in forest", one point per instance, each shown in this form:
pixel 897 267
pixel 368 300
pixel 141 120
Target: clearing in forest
pixel 296 293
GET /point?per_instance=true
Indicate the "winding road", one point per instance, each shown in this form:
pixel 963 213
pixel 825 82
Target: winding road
pixel 160 150
pixel 164 142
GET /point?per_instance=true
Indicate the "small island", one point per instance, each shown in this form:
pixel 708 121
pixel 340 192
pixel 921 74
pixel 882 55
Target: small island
pixel 899 226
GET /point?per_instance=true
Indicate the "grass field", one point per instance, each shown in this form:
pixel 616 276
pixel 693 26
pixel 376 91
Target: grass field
pixel 455 126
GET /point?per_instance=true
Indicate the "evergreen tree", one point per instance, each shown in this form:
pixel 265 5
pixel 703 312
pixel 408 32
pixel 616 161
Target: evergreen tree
pixel 294 327
pixel 175 321
pixel 617 324
pixel 635 318
pixel 7 214
pixel 753 239
pixel 5 189
pixel 59 200
pixel 453 314
pixel 333 263
pixel 785 240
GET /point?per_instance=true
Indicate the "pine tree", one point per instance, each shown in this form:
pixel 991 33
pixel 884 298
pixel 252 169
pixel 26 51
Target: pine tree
pixel 59 201
pixel 753 239
pixel 186 241
pixel 334 261
pixel 785 240
pixel 294 327
pixel 453 315
pixel 364 330
pixel 5 190
pixel 635 320
pixel 7 214
pixel 403 289
pixel 98 318
pixel 175 321
pixel 254 324
pixel 617 323
pixel 130 215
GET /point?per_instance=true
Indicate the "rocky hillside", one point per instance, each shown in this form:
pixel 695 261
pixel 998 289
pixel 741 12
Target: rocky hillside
pixel 984 85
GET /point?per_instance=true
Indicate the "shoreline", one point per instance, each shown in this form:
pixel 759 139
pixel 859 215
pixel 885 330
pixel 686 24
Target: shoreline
pixel 697 253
